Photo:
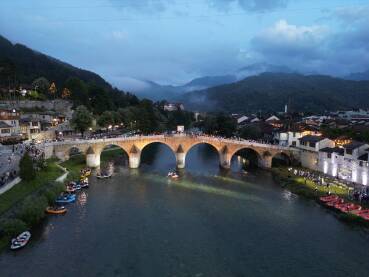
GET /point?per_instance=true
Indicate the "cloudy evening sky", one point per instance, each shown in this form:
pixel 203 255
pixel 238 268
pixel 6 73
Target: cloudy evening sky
pixel 173 41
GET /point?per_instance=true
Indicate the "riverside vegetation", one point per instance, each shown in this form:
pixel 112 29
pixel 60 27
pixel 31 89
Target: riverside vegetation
pixel 23 206
pixel 309 190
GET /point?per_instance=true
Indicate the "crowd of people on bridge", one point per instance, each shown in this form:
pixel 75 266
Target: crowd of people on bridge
pixel 171 134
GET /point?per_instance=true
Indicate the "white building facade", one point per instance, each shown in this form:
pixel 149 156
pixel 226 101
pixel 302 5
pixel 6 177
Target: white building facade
pixel 349 163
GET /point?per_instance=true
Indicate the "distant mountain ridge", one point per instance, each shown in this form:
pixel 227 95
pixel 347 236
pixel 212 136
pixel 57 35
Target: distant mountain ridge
pixel 271 91
pixel 155 91
pixel 360 76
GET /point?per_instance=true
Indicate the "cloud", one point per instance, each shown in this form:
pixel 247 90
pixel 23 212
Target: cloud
pixel 284 40
pixel 316 48
pixel 163 5
pixel 251 5
pixel 119 35
pixel 352 15
pixel 147 6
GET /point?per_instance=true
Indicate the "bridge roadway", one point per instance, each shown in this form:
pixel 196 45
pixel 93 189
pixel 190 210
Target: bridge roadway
pixel 180 144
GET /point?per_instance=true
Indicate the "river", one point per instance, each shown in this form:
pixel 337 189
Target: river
pixel 208 223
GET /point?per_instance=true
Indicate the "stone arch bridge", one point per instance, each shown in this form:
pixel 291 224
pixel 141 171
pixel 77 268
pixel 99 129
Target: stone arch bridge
pixel 180 144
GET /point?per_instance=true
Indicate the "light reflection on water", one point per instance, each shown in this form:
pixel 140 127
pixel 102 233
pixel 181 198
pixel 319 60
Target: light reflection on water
pixel 201 187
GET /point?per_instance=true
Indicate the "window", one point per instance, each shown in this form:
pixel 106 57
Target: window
pixel 312 144
pixel 349 151
pixel 329 155
pixel 5 131
pixel 34 123
pixel 294 134
pixel 294 143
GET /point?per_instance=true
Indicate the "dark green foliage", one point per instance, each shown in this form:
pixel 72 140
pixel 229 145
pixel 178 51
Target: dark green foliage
pixel 176 118
pixel 219 124
pixel 13 227
pixel 109 118
pixel 360 134
pixel 251 132
pixel 53 190
pixel 41 85
pixel 33 210
pixel 26 168
pixel 82 119
pixel 271 91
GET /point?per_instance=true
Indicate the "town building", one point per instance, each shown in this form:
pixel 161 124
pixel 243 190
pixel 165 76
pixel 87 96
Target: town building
pixel 30 128
pixel 5 130
pixel 11 118
pixel 171 107
pixel 348 162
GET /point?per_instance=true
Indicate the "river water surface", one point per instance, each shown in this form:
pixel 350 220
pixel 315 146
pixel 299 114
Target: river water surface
pixel 208 223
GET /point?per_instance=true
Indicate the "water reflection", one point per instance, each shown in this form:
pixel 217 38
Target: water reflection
pixel 208 223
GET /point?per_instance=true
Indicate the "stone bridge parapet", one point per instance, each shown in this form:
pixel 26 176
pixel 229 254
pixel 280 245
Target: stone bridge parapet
pixel 180 144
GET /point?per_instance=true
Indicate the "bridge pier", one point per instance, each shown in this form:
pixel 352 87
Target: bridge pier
pixel 265 162
pixel 61 155
pixel 181 160
pixel 134 160
pixel 93 160
pixel 225 161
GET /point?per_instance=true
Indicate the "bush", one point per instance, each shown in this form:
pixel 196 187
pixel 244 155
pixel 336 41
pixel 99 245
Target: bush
pixel 53 191
pixel 13 227
pixel 33 210
pixel 26 168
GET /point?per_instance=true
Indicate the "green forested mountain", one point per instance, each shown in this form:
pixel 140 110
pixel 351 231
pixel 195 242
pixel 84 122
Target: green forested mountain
pixel 20 65
pixel 28 65
pixel 49 78
pixel 271 91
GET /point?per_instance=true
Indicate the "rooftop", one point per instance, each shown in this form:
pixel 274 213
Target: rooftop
pixel 353 145
pixel 310 138
pixel 4 125
pixel 331 150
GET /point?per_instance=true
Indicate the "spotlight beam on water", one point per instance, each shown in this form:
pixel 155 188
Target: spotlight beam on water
pixel 203 188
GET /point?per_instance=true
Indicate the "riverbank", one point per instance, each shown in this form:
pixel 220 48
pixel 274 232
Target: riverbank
pixel 23 206
pixel 310 190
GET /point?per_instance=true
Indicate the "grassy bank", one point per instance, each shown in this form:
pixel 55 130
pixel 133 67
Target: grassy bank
pixel 27 187
pixel 307 188
pixel 310 190
pixel 23 206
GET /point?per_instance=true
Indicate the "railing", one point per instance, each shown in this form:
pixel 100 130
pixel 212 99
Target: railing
pixel 156 137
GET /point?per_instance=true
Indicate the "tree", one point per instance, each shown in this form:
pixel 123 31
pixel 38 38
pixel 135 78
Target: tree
pixel 220 124
pixel 108 118
pixel 251 132
pixel 53 89
pixel 26 168
pixel 41 85
pixel 66 93
pixel 78 90
pixel 82 119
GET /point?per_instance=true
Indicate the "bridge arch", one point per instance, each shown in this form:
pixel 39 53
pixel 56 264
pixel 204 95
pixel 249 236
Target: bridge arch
pixel 281 158
pixel 74 150
pixel 214 148
pixel 149 159
pixel 254 157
